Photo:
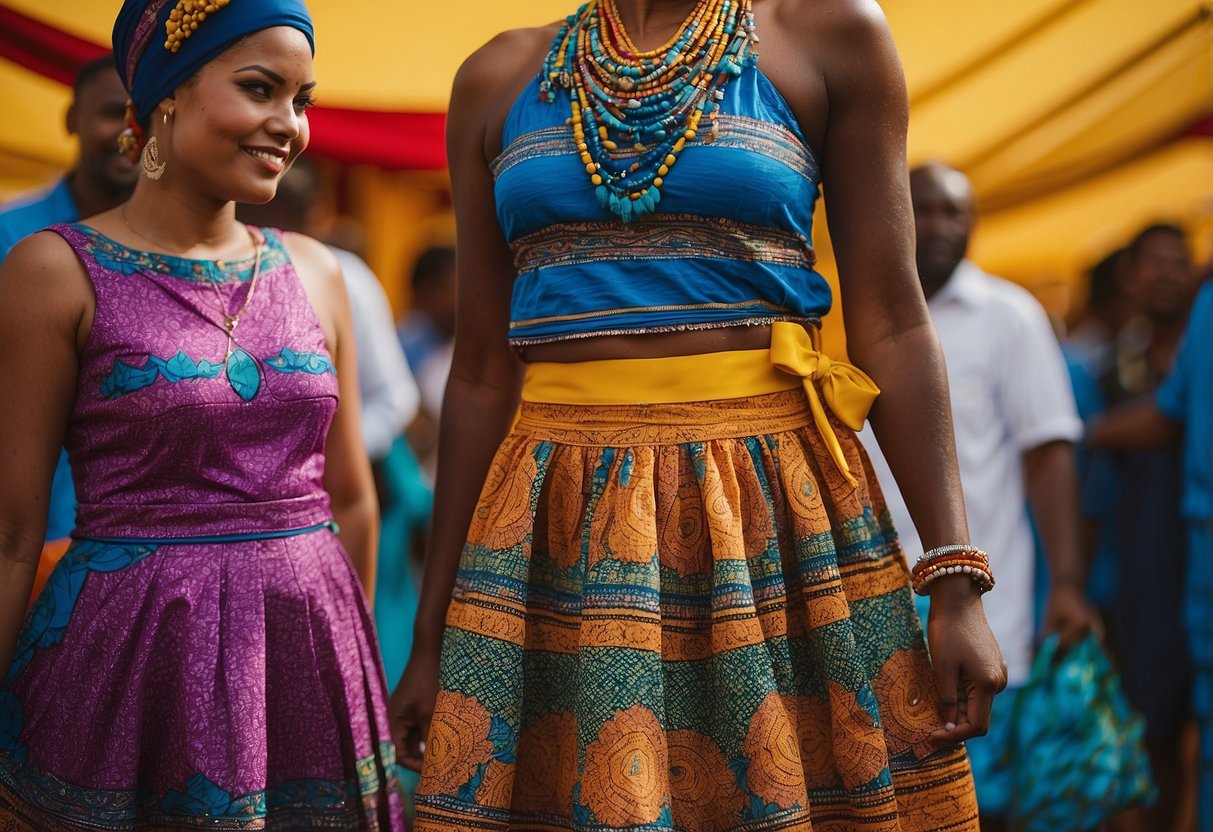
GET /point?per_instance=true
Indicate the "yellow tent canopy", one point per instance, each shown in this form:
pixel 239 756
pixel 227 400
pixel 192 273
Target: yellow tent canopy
pixel 1078 120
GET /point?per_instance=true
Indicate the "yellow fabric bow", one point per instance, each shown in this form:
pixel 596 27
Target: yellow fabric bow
pixel 847 390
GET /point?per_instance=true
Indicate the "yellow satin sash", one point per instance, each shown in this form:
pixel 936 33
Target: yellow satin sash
pixel 794 358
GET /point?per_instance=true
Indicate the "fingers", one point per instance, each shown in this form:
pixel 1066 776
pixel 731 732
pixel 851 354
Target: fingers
pixel 948 675
pixel 980 700
pixel 1071 616
pixel 972 720
pixel 408 736
pixel 954 736
pixel 965 707
pixel 411 750
pixel 1073 629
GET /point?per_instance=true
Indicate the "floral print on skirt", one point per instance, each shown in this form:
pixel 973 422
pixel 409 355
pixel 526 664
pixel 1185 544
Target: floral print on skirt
pixel 682 617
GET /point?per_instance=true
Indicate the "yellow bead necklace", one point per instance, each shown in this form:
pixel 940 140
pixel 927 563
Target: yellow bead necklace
pixel 633 111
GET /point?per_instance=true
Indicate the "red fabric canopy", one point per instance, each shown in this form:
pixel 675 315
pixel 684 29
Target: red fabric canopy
pixel 392 140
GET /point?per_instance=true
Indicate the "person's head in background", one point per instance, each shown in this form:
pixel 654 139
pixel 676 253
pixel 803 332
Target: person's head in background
pixel 102 176
pixel 944 215
pixel 1108 301
pixel 434 289
pixel 1158 272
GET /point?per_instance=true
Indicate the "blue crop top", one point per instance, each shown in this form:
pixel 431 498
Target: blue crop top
pixel 729 244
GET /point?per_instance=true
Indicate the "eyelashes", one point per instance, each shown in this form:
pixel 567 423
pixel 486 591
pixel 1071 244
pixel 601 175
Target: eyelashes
pixel 263 91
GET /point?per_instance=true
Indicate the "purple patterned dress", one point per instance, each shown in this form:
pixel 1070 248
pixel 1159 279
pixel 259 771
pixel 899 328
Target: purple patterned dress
pixel 203 656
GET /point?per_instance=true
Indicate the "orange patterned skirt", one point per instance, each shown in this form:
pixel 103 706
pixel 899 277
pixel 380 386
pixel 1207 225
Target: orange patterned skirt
pixel 683 617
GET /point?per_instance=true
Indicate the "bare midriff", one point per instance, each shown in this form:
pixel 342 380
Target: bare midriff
pixel 653 345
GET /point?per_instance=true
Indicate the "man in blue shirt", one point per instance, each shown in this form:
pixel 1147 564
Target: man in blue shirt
pixel 1184 404
pixel 101 179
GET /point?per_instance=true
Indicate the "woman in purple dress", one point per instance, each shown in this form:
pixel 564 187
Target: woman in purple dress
pixel 204 654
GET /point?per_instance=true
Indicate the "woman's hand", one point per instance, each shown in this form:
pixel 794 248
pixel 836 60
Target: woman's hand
pixel 1069 614
pixel 968 662
pixel 411 706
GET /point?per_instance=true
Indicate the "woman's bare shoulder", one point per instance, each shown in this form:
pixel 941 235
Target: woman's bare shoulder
pixel 314 262
pixel 504 65
pixel 43 280
pixel 848 30
pixel 488 84
pixel 43 265
pixel 319 274
pixel 511 51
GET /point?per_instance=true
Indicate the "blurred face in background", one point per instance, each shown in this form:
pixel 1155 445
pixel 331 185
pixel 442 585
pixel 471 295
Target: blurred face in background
pixel 1160 276
pixel 96 118
pixel 943 219
pixel 438 299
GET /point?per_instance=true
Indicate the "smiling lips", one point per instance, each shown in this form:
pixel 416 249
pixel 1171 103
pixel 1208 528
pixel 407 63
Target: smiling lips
pixel 272 158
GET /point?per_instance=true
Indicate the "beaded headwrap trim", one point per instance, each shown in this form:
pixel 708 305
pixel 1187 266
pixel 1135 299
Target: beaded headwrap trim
pixel 184 19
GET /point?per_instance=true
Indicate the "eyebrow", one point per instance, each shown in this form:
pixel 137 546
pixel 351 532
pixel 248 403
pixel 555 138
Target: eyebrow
pixel 274 76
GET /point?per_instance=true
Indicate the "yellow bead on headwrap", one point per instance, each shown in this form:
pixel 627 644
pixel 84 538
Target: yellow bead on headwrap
pixel 184 19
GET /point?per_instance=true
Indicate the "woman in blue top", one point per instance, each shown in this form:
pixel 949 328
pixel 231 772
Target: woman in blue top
pixel 665 593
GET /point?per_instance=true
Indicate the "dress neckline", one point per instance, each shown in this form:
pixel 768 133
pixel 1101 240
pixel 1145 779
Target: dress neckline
pixel 129 260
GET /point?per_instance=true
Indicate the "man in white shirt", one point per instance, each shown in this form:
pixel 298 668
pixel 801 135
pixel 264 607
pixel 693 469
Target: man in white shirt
pixel 1016 424
pixel 390 397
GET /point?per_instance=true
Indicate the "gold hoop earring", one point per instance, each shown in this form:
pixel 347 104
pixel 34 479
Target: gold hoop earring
pixel 153 168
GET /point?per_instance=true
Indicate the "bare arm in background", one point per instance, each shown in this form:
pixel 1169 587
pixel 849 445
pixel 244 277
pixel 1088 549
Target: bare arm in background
pixel 1139 426
pixel 1051 482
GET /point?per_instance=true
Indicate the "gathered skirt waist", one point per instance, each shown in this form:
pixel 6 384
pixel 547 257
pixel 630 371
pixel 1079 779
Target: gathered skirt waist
pixel 633 393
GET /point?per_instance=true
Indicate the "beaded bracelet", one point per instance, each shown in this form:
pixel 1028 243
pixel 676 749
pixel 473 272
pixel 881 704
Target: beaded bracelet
pixel 980 563
pixel 943 551
pixel 981 577
pixel 970 559
pixel 962 559
pixel 955 565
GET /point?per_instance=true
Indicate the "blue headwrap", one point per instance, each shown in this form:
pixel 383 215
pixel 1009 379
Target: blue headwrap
pixel 151 70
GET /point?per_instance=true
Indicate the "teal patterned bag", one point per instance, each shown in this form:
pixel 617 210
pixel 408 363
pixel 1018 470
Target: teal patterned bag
pixel 1080 749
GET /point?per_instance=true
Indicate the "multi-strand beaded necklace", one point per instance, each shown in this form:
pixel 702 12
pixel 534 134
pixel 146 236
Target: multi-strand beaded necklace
pixel 633 112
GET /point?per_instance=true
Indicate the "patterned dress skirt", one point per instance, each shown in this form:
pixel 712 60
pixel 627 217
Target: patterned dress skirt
pixel 684 617
pixel 219 686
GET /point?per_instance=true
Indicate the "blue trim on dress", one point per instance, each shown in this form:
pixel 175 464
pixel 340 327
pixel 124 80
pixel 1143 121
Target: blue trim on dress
pixel 49 616
pixel 123 259
pixel 219 538
pixel 241 371
pixel 312 363
pixel 126 378
pixel 295 804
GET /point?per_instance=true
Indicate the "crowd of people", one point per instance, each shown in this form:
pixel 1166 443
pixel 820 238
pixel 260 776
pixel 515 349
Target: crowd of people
pixel 594 536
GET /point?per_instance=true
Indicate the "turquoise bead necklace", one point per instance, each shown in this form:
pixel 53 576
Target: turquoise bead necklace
pixel 633 112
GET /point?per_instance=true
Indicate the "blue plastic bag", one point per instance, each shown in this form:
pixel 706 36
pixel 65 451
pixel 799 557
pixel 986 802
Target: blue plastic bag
pixel 1079 748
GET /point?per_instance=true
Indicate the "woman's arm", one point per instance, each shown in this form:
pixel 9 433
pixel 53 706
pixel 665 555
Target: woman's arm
pixel 890 336
pixel 1138 426
pixel 483 386
pixel 46 307
pixel 347 469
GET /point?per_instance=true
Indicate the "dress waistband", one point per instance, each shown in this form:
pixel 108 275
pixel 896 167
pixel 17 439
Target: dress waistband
pixel 794 359
pixel 331 525
pixel 201 521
